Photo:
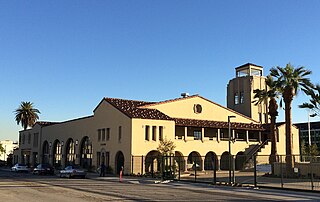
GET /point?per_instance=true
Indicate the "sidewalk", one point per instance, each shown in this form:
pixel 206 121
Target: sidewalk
pixel 125 179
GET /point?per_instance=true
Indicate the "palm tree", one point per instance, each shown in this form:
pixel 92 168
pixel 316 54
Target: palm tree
pixel 26 114
pixel 271 93
pixel 290 80
pixel 314 102
pixel 2 150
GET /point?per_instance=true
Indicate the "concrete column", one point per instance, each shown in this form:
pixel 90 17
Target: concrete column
pixel 218 135
pixel 202 162
pixel 202 134
pixel 185 133
pixel 233 134
pixel 186 163
pixel 247 136
pixel 77 152
pixel 218 162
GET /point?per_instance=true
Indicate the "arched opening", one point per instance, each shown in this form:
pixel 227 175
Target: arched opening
pixel 153 163
pixel 119 162
pixel 70 152
pixel 194 161
pixel 86 153
pixel 56 153
pixel 224 161
pixel 240 161
pixel 210 161
pixel 45 152
pixel 180 163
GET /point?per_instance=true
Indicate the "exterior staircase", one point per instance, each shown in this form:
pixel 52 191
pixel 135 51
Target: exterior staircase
pixel 251 151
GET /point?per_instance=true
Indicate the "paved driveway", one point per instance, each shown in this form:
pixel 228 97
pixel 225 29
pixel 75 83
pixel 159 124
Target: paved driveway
pixel 26 187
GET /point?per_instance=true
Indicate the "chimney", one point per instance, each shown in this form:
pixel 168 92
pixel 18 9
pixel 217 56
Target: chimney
pixel 184 95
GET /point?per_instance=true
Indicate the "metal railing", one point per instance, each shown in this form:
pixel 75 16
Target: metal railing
pixel 304 174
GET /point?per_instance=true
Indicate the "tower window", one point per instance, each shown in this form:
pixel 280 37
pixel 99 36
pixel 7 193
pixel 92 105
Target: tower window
pixel 241 97
pixel 236 99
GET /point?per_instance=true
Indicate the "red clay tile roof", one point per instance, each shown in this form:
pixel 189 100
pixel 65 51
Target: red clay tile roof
pixel 217 124
pixel 132 109
pixel 45 123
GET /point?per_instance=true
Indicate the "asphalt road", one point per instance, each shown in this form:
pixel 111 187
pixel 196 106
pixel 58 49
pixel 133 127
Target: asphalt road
pixel 27 187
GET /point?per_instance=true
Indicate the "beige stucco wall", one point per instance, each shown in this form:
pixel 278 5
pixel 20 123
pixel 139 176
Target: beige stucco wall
pixel 281 145
pixel 184 108
pixel 74 129
pixel 26 147
pixel 133 141
pixel 140 146
pixel 247 84
pixel 106 116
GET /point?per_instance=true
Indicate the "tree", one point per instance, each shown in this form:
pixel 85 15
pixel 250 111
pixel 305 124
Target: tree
pixel 26 114
pixel 2 150
pixel 314 102
pixel 312 150
pixel 166 147
pixel 271 93
pixel 290 80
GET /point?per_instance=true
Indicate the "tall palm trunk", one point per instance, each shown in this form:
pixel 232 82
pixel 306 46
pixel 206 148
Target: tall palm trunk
pixel 288 97
pixel 273 112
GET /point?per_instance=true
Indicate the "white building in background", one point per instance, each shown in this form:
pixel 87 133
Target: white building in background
pixel 9 146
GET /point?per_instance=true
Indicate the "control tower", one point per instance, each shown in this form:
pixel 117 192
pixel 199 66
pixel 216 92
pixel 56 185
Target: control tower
pixel 240 92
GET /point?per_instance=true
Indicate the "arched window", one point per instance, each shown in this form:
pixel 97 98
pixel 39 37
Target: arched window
pixel 86 153
pixel 57 153
pixel 70 152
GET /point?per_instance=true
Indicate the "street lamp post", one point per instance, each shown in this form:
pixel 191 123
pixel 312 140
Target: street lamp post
pixel 309 131
pixel 230 139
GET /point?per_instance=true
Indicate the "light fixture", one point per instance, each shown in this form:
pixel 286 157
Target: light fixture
pixel 77 142
pixel 62 143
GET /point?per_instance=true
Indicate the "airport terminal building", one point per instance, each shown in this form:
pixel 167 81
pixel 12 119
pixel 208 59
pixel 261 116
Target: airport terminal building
pixel 120 129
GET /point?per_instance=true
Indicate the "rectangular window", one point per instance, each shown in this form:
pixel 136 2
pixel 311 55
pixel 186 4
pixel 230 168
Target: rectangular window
pixel 99 135
pixel 119 137
pixel 236 99
pixel 160 133
pixel 103 134
pixel 154 132
pixel 241 97
pixel 147 132
pixel 108 133
pixel 197 134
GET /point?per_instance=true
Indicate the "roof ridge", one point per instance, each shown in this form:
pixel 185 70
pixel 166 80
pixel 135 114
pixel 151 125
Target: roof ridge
pixel 111 98
pixel 171 100
pixel 133 109
pixel 231 110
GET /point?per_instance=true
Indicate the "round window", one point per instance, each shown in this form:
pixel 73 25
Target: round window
pixel 197 108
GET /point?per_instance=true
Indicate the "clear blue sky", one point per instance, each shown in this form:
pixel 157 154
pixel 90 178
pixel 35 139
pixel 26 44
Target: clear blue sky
pixel 65 56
